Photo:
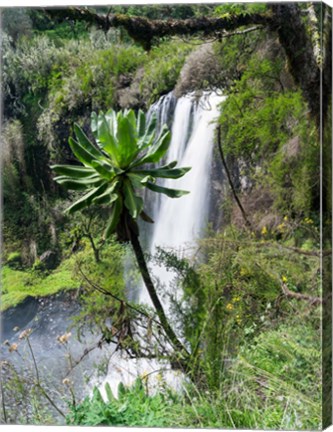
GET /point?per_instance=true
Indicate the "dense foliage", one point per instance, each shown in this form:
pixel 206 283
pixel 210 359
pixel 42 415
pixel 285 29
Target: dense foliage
pixel 250 308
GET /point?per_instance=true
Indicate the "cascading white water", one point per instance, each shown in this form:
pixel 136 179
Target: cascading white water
pixel 178 222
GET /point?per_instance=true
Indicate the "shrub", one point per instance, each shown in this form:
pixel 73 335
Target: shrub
pixel 134 407
pixel 38 266
pixel 14 260
pixel 162 68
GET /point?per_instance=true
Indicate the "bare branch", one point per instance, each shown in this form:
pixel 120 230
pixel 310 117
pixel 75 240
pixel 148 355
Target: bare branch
pixel 298 296
pixel 120 300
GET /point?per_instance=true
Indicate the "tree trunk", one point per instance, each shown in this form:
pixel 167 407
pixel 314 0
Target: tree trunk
pixel 94 248
pixel 287 21
pixel 225 166
pixel 154 298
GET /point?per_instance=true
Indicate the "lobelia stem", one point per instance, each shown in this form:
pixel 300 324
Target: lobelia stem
pixel 153 295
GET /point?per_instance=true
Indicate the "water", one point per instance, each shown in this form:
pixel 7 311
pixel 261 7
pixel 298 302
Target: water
pixel 75 360
pixel 179 222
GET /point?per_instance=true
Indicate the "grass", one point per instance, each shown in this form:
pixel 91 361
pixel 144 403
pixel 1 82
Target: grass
pixel 17 285
pixel 273 383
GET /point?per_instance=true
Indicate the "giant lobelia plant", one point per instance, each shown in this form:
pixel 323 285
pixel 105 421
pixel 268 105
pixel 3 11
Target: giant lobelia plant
pixel 114 170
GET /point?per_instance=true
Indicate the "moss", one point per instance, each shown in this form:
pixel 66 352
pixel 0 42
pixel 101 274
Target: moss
pixel 18 285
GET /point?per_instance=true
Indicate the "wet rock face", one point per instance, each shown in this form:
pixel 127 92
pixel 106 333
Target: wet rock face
pixel 19 316
pixel 45 316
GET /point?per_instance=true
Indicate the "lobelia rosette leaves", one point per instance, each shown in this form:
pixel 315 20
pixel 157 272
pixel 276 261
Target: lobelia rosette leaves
pixel 114 168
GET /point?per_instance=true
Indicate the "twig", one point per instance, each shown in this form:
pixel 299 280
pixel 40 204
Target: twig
pixel 241 32
pixel 3 396
pixel 324 253
pixel 34 359
pixel 85 353
pixel 39 385
pixel 108 293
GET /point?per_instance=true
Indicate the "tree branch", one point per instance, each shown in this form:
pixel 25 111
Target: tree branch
pixel 285 19
pixel 144 30
pixel 298 296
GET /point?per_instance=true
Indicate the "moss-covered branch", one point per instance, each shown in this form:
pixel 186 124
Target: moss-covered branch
pixel 285 19
pixel 144 30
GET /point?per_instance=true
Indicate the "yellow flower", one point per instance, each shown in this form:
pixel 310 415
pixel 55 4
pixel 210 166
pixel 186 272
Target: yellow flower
pixel 236 299
pixel 264 230
pixel 285 218
pixel 229 307
pixel 284 279
pixel 281 227
pixel 238 319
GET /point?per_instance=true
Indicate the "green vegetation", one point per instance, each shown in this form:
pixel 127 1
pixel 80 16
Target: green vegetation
pixel 273 383
pixel 132 407
pixel 251 306
pixel 17 285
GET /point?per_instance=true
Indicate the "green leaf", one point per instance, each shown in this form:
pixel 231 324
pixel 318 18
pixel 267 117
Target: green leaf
pixel 94 123
pixel 114 218
pixel 111 118
pixel 151 128
pixel 109 393
pixel 139 180
pixel 80 183
pixel 73 171
pixel 121 390
pixel 146 217
pixel 164 172
pixel 84 141
pixel 158 150
pixel 148 138
pixel 86 200
pixel 107 140
pixel 141 123
pixel 104 169
pixel 132 202
pixel 105 199
pixel 108 196
pixel 130 115
pixel 172 193
pixel 127 139
pixel 82 154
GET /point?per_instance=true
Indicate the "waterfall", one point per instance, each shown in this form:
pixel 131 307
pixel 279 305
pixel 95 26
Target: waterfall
pixel 179 222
